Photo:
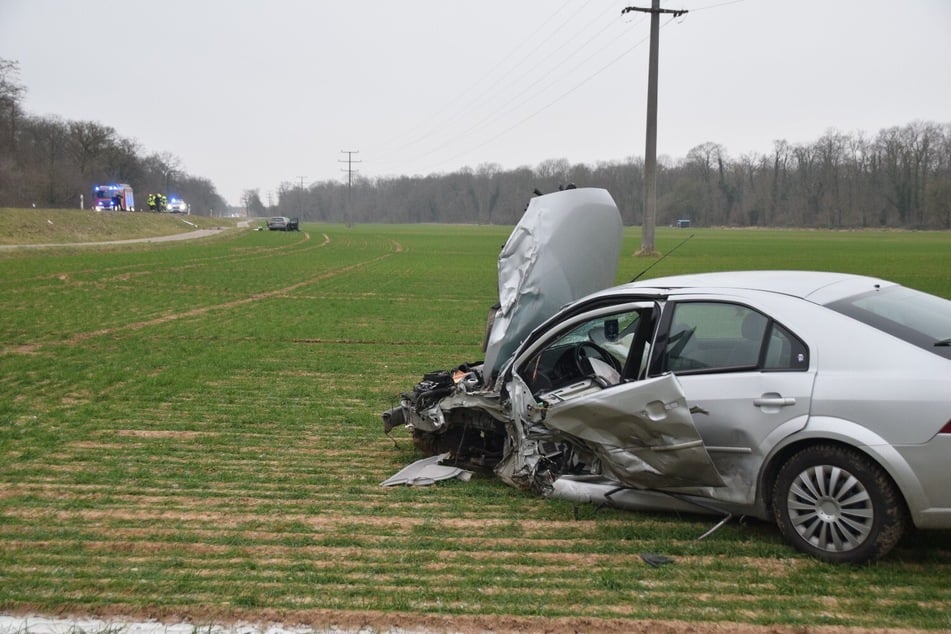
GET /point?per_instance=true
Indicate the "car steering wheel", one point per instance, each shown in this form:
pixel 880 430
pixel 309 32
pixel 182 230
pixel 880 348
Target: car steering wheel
pixel 581 358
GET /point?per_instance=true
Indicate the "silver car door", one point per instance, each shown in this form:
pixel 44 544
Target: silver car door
pixel 748 384
pixel 641 431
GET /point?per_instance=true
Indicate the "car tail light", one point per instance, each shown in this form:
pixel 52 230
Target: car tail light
pixel 946 429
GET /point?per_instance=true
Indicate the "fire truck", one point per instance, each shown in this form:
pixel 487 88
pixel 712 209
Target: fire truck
pixel 115 197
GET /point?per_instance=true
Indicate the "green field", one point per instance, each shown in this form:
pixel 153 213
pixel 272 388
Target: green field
pixel 191 430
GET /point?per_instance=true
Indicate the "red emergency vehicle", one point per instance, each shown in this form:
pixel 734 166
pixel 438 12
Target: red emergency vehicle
pixel 115 197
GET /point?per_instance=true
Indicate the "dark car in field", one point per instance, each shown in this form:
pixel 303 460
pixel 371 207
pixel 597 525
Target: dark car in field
pixel 819 401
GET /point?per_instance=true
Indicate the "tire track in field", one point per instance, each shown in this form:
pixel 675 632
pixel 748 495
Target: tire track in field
pixel 256 253
pixel 201 310
pixel 126 271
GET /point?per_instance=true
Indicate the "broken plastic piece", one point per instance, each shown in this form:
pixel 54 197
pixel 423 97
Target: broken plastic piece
pixel 656 561
pixel 426 472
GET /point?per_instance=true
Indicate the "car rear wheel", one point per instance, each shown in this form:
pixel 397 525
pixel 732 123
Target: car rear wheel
pixel 837 505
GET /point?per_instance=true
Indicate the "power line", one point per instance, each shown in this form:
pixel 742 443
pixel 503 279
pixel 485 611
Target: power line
pixel 429 125
pixel 350 161
pixel 517 101
pixel 551 103
pixel 566 61
pixel 717 5
pixel 300 197
pixel 349 170
pixel 503 84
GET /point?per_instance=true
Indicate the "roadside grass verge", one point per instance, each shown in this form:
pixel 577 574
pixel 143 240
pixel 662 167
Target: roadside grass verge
pixel 62 226
pixel 192 430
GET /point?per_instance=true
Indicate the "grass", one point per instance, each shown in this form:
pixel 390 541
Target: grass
pixel 192 429
pixel 61 226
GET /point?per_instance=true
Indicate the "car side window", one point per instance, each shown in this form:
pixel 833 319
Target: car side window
pixel 785 351
pixel 722 337
pixel 596 349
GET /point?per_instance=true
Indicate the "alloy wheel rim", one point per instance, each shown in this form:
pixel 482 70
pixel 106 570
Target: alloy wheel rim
pixel 830 508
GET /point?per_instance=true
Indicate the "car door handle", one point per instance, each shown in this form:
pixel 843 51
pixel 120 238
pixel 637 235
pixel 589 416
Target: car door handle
pixel 773 401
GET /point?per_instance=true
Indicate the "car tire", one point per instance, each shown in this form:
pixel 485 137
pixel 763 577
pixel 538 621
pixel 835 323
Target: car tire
pixel 838 505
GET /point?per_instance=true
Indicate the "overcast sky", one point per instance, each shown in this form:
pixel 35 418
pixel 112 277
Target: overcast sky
pixel 250 94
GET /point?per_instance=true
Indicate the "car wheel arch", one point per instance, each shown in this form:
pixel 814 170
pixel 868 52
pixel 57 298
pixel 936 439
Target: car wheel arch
pixel 782 455
pixel 847 435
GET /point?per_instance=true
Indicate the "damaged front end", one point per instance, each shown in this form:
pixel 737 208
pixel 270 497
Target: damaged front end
pixel 565 246
pixel 581 441
pixel 612 447
pixel 451 412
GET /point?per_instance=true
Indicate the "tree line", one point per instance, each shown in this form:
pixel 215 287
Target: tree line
pixel 899 178
pixel 52 162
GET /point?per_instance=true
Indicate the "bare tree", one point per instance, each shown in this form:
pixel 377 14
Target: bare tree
pixel 894 160
pixel 704 160
pixel 830 155
pixel 252 203
pixel 88 143
pixel 486 191
pixel 11 95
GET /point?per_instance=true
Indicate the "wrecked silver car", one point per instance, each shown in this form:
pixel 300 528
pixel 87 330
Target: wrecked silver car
pixel 820 401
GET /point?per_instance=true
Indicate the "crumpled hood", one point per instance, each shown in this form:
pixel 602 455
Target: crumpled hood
pixel 566 246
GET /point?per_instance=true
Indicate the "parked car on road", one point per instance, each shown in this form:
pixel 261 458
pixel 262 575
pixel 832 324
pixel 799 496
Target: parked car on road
pixel 820 401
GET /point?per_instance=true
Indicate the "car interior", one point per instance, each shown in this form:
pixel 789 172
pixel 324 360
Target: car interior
pixel 705 337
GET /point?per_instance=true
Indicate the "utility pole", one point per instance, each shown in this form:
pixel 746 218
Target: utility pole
pixel 300 197
pixel 349 170
pixel 650 151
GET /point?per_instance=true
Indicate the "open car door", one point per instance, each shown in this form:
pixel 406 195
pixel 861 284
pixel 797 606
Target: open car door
pixel 641 432
pixel 580 405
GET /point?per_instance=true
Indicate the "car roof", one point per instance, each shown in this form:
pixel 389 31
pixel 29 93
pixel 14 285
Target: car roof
pixel 820 287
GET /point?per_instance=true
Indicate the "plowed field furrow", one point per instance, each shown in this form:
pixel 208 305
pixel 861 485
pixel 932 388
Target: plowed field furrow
pixel 194 433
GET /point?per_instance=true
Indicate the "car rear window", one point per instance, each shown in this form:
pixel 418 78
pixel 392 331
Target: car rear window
pixel 919 318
